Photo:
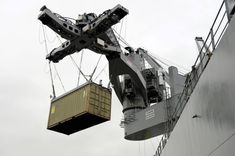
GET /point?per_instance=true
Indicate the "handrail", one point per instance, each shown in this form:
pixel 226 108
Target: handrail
pixel 197 70
pixel 199 62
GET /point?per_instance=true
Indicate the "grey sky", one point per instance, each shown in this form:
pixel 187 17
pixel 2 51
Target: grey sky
pixel 165 28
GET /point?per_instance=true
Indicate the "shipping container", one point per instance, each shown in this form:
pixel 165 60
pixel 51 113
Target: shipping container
pixel 80 108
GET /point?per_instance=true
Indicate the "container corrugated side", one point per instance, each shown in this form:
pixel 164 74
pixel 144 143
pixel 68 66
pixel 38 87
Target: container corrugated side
pixel 80 108
pixel 100 101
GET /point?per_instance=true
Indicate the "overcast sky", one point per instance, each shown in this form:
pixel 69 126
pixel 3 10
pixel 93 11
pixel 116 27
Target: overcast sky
pixel 166 28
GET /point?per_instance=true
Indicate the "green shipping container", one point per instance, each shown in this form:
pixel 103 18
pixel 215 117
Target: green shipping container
pixel 81 108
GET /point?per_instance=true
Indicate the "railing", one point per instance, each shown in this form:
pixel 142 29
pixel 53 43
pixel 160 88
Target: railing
pixel 216 32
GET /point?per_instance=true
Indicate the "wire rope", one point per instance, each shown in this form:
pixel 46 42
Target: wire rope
pixel 95 68
pixel 179 66
pixel 50 41
pixel 57 73
pixel 74 62
pixel 80 66
pixel 120 38
pixel 103 70
pixel 49 64
pixel 182 70
pixel 120 32
pixel 125 27
pixel 40 27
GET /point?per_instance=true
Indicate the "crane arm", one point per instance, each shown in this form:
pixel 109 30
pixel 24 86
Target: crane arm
pixel 85 32
pixel 62 26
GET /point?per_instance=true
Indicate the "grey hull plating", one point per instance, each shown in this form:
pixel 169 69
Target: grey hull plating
pixel 212 104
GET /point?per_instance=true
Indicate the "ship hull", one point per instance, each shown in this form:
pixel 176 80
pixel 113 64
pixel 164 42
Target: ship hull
pixel 206 127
